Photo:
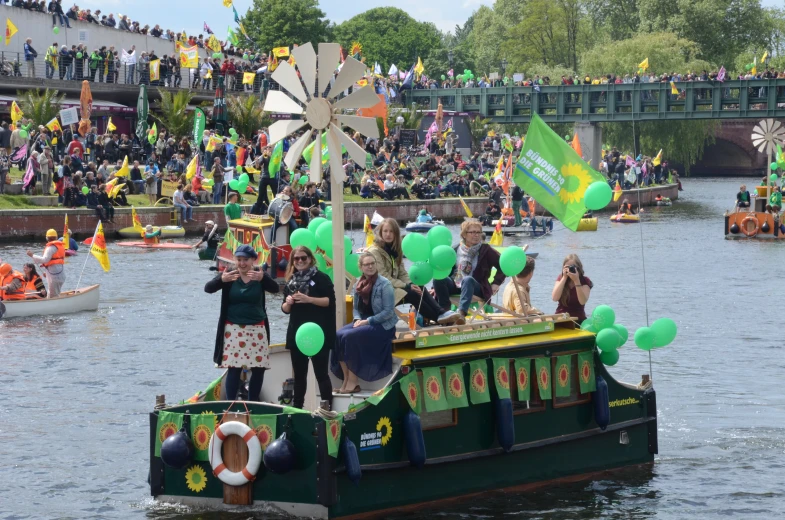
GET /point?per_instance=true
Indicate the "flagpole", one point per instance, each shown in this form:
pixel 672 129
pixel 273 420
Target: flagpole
pixel 95 233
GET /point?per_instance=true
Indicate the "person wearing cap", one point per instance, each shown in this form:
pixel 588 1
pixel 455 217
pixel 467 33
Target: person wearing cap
pixel 12 283
pixel 52 263
pixel 241 340
pixel 210 237
pixel 424 217
pixel 151 235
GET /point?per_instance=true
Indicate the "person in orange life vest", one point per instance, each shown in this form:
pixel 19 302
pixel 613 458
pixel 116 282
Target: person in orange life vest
pixel 150 236
pixel 34 285
pixel 12 283
pixel 658 198
pixel 52 263
pixel 626 208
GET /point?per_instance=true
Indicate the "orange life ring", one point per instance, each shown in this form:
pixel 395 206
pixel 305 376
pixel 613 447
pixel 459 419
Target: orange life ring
pixel 745 230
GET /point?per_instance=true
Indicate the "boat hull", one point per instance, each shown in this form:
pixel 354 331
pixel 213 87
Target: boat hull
pixel 162 245
pixel 422 227
pixel 625 219
pixel 207 253
pixel 166 232
pixel 758 225
pixel 84 299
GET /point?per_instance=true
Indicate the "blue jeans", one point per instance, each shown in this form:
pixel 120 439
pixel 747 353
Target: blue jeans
pixel 468 289
pixel 218 189
pixel 50 70
pixel 129 73
pixel 185 211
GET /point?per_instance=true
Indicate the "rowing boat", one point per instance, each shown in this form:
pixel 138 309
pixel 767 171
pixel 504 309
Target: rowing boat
pixel 154 246
pixel 166 232
pixel 84 299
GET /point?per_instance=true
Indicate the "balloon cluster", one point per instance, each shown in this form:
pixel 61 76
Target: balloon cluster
pixel 610 336
pixel 466 76
pixel 218 55
pixel 241 183
pixel 433 256
pixel 318 237
pixel 662 332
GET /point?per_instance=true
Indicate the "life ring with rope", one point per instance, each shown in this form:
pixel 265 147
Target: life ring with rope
pixel 248 473
pixel 746 230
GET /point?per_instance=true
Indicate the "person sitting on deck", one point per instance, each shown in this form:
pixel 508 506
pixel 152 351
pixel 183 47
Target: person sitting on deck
pixel 775 201
pixel 518 300
pixel 12 283
pixel 743 197
pixel 424 217
pixel 492 212
pixel 34 285
pixel 151 236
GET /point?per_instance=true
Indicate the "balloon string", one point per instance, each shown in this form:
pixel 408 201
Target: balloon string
pixel 643 254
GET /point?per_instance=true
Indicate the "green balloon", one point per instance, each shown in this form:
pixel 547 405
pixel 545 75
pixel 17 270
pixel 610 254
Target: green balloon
pixel 664 331
pixel 324 237
pixel 441 275
pixel 243 187
pixel 774 166
pixel 216 55
pixel 644 338
pixel 512 261
pixel 588 326
pixel 232 131
pixel 239 169
pixel 603 317
pixel 443 77
pixel 23 133
pixel 609 358
pixel 328 212
pixel 347 245
pixel 309 338
pixel 773 177
pixel 234 184
pixel 420 273
pixel 321 263
pixel 597 195
pixel 315 223
pixel 439 236
pixel 623 333
pixel 85 190
pixel 56 30
pixel 245 56
pixel 608 340
pixel 416 247
pixel 79 55
pixel 443 258
pixel 303 237
pixel 303 180
pixel 566 137
pixel 353 265
pixel 244 177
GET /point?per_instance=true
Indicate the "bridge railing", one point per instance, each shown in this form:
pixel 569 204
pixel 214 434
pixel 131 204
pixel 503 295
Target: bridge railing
pixel 613 102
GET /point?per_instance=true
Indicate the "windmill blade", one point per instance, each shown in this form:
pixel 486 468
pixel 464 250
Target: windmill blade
pixel 305 57
pixel 286 76
pixel 280 103
pixel 356 151
pixel 365 125
pixel 351 72
pixel 336 163
pixel 775 126
pixel 316 160
pixel 296 150
pixel 281 129
pixel 329 56
pixel 364 98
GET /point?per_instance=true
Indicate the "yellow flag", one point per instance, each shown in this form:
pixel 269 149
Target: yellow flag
pixel 617 192
pixel 110 126
pixel 213 44
pixel 419 69
pixel 191 170
pixel 754 66
pixel 98 249
pixel 212 143
pixel 123 171
pixel 116 190
pixel 644 64
pixel 466 207
pixel 54 125
pixel 16 112
pixel 657 160
pixel 66 236
pixel 227 3
pixel 137 222
pixel 10 30
pixel 248 78
pixel 155 70
pixel 674 90
pixel 280 52
pixel 765 55
pixel 369 236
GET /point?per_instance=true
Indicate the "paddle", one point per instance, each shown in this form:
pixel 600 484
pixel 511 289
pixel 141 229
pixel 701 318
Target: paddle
pixel 2 310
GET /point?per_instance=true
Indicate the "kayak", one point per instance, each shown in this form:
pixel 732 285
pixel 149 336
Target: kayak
pixel 153 246
pixel 625 219
pixel 166 232
pixel 84 299
pixel 208 253
pixel 423 227
pixel 588 224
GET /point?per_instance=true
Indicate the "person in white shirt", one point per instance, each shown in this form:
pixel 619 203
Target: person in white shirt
pixel 179 202
pixel 130 64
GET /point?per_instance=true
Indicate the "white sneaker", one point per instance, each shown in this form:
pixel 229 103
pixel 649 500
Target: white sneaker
pixel 448 318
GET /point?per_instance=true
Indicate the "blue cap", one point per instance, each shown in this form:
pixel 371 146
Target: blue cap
pixel 246 251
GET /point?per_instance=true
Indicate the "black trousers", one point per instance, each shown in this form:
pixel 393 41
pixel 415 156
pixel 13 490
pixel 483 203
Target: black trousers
pixel 321 366
pixel 430 308
pixel 254 385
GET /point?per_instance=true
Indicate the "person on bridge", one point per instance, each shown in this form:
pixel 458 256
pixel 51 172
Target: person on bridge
pixel 52 262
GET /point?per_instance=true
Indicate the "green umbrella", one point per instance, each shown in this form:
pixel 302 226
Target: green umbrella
pixel 141 112
pixel 219 108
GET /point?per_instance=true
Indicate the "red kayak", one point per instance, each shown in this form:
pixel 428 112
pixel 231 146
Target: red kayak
pixel 153 246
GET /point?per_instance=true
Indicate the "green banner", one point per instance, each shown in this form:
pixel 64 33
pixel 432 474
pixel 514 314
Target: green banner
pixel 563 376
pixel 199 122
pixel 456 389
pixel 523 368
pixel 433 390
pixel 308 153
pixel 275 159
pixel 334 427
pixel 410 388
pixel 552 172
pixel 478 382
pixel 202 428
pixel 483 334
pixel 169 423
pixel 501 377
pixel 264 426
pixel 586 372
pixel 213 392
pixel 377 396
pixel 543 367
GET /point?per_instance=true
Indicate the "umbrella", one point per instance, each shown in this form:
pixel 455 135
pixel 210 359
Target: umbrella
pixel 141 112
pixel 86 102
pixel 219 108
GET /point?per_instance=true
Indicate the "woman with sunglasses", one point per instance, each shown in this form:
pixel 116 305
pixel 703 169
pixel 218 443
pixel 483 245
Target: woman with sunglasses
pixel 363 349
pixel 309 296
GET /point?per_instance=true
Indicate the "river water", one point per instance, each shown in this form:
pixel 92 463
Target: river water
pixel 77 389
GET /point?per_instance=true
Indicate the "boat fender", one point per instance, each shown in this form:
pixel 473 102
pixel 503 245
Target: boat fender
pixel 505 424
pixel 248 473
pixel 177 450
pixel 351 460
pixel 415 442
pixel 735 228
pixel 602 409
pixel 765 228
pixel 782 228
pixel 280 456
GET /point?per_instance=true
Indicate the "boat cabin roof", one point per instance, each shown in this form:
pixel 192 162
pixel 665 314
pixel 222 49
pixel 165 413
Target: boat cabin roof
pixel 251 221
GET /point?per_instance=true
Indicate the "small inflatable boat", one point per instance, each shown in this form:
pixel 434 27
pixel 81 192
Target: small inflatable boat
pixel 664 202
pixel 625 219
pixel 162 245
pixel 423 227
pixel 166 232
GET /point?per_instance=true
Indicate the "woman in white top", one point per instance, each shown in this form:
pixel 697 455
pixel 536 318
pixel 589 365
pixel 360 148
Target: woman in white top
pixel 186 210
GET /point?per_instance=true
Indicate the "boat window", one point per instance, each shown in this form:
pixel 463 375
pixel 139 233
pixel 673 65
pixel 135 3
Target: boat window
pixel 435 420
pixel 575 397
pixel 535 403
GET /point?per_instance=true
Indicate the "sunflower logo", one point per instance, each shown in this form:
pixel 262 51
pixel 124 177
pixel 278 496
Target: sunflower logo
pixel 455 385
pixel 412 394
pixel 384 422
pixel 564 375
pixel 585 371
pixel 265 435
pixel 356 49
pixel 502 378
pixel 523 378
pixel 166 430
pixel 217 392
pixel 215 418
pixel 544 378
pixel 478 380
pixel 196 479
pixel 433 388
pixel 202 436
pixel 335 430
pixel 576 180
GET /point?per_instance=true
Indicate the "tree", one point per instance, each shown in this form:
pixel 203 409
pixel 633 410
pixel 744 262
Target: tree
pixel 485 40
pixel 246 114
pixel 540 37
pixel 278 23
pixel 40 107
pixel 478 129
pixel 390 36
pixel 605 17
pixel 172 112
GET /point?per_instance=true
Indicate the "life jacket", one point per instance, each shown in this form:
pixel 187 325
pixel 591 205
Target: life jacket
pixel 59 257
pixel 30 288
pixel 19 294
pixel 658 198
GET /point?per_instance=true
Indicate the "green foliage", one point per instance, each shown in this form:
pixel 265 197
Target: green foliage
pixel 39 106
pixel 277 23
pixel 172 112
pixel 605 16
pixel 485 40
pixel 246 114
pixel 389 35
pixel 478 129
pixel 412 118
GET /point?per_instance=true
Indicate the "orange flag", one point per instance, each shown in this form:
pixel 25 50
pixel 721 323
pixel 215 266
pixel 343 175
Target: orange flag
pixel 576 145
pixel 378 110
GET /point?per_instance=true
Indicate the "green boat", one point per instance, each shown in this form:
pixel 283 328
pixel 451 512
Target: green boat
pixel 499 403
pixel 208 253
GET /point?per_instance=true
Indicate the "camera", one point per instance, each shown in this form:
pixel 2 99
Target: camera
pixel 572 268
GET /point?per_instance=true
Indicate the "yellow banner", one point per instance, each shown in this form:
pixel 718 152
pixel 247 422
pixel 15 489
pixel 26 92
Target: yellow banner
pixel 189 57
pixel 168 188
pixel 281 52
pixel 16 112
pixel 155 70
pixel 98 249
pixel 54 124
pixel 248 78
pixel 10 30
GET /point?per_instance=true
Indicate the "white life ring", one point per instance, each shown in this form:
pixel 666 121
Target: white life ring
pixel 248 473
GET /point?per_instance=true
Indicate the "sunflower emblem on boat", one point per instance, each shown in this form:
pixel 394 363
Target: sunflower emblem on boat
pixel 265 435
pixel 563 375
pixel 201 437
pixel 478 381
pixel 502 378
pixel 544 377
pixel 412 394
pixel 166 430
pixel 585 371
pixel 215 417
pixel 384 423
pixel 523 378
pixel 576 180
pixel 196 479
pixel 217 392
pixel 455 385
pixel 433 388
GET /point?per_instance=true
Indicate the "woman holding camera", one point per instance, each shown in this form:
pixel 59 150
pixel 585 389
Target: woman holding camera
pixel 572 289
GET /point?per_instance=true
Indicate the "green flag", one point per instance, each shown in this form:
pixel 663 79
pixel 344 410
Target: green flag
pixel 275 159
pixel 434 390
pixel 586 372
pixel 308 153
pixel 478 382
pixel 334 427
pixel 199 122
pixel 152 134
pixel 456 389
pixel 202 428
pixel 377 396
pixel 501 377
pixel 552 172
pixel 169 423
pixel 232 37
pixel 543 367
pixel 563 376
pixel 213 392
pixel 410 388
pixel 264 426
pixel 522 378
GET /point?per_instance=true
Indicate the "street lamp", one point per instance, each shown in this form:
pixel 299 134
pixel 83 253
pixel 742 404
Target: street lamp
pixel 450 56
pixel 504 66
